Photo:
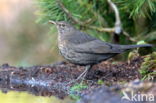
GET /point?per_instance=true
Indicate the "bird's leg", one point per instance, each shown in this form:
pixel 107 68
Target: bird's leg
pixel 83 75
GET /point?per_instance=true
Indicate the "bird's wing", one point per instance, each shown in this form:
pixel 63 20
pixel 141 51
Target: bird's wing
pixel 85 43
pixel 79 37
pixel 98 47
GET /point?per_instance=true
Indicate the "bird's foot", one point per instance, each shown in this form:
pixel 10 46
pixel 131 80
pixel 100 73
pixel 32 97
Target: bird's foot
pixel 81 76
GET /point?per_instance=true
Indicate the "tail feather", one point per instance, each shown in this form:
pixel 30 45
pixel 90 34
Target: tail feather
pixel 136 46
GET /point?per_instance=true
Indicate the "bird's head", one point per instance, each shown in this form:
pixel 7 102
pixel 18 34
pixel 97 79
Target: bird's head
pixel 61 25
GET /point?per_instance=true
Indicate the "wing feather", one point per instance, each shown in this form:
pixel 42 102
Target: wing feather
pixel 98 47
pixel 85 43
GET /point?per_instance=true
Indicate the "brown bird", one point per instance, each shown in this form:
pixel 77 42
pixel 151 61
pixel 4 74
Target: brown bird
pixel 82 49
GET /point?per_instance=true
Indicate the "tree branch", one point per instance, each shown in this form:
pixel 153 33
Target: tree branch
pixel 117 27
pixel 128 36
pixel 66 11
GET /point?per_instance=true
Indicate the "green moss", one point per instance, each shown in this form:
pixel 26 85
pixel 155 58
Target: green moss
pixel 148 67
pixel 100 82
pixel 75 89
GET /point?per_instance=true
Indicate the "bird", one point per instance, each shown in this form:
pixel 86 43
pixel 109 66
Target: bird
pixel 85 50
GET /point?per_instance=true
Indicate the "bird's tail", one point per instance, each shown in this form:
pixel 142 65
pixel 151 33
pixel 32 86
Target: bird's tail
pixel 136 46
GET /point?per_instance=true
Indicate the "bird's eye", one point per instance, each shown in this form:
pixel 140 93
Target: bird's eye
pixel 62 25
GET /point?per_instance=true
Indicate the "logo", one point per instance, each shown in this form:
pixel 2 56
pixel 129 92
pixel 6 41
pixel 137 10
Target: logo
pixel 137 96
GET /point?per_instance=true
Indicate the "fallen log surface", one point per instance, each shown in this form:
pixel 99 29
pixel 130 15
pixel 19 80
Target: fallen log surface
pixel 53 80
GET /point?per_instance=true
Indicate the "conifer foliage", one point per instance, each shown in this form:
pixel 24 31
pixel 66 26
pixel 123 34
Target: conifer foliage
pixel 138 17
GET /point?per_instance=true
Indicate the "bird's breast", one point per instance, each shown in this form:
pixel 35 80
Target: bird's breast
pixel 61 43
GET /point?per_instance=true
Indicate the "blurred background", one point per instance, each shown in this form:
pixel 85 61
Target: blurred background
pixel 22 40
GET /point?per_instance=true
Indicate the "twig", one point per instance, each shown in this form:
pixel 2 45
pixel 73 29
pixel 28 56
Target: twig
pixel 83 23
pixel 117 27
pixel 66 11
pixel 110 30
pixel 129 38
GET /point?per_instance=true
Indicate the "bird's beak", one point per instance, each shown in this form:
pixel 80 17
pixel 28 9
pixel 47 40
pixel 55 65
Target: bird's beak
pixel 52 22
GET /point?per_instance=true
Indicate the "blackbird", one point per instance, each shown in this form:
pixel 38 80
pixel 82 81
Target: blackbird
pixel 82 49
